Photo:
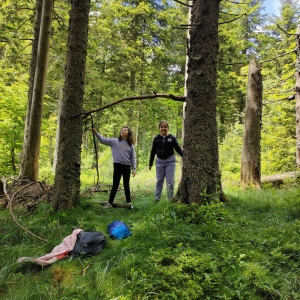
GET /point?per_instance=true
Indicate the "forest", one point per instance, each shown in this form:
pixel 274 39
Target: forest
pixel 122 62
pixel 68 66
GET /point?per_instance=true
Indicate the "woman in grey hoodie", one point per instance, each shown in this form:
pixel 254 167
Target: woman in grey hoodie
pixel 124 158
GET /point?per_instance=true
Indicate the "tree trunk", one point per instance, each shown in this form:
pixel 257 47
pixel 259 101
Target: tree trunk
pixel 51 150
pixel 190 3
pixel 59 104
pixel 13 161
pixel 297 89
pixel 67 173
pixel 137 133
pixel 24 172
pixel 250 167
pixel 201 178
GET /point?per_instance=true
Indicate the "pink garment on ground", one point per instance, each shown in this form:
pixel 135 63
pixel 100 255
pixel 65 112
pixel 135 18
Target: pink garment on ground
pixel 57 253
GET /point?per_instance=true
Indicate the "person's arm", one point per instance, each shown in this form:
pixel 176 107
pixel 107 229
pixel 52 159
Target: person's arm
pixel 133 161
pixel 152 155
pixel 101 139
pixel 177 147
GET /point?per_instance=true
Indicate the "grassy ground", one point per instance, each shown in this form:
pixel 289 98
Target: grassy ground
pixel 247 249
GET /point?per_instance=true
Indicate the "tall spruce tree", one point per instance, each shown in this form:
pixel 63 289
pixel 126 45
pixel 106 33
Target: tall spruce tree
pixel 201 178
pixel 67 172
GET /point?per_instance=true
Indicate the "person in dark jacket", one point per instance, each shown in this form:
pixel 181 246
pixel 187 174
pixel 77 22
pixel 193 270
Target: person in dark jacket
pixel 163 146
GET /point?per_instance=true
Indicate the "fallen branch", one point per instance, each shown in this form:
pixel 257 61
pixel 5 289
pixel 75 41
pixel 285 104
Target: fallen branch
pixel 141 97
pixel 83 272
pixel 10 209
pixel 278 179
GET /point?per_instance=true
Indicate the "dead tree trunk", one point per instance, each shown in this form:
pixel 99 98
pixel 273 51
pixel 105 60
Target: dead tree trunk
pixel 34 51
pixel 30 159
pixel 250 167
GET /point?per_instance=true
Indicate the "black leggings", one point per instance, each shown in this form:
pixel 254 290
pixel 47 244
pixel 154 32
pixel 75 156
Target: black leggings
pixel 119 170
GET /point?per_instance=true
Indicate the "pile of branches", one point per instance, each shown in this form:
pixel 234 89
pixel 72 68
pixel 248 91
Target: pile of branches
pixel 17 193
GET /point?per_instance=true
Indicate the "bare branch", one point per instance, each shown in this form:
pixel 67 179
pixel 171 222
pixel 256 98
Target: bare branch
pixel 285 31
pixel 141 97
pixel 231 64
pixel 184 27
pixel 289 98
pixel 233 19
pixel 273 58
pixel 190 25
pixel 228 14
pixel 283 99
pixel 24 22
pixel 283 54
pixel 233 2
pixel 279 93
pixel 185 4
pixel 59 19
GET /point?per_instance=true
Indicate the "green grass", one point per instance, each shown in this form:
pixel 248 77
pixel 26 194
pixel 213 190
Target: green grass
pixel 246 249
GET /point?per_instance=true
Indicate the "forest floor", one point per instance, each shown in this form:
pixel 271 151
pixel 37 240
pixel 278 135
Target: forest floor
pixel 246 249
pixel 16 192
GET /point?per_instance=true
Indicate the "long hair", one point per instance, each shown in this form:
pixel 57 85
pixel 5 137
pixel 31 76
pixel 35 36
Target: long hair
pixel 130 139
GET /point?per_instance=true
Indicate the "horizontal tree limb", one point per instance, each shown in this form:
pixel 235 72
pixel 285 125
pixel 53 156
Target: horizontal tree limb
pixel 141 97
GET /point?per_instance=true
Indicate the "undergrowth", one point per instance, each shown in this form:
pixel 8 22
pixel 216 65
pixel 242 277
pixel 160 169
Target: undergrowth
pixel 246 249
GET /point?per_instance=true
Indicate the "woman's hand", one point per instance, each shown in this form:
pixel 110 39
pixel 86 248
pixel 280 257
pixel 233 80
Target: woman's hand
pixel 93 130
pixel 133 172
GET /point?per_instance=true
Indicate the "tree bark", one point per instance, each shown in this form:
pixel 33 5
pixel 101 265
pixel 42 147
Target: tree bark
pixel 297 89
pixel 67 173
pixel 28 167
pixel 190 3
pixel 201 178
pixel 250 166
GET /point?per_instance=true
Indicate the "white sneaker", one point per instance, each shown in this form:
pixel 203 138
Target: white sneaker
pixel 130 205
pixel 107 205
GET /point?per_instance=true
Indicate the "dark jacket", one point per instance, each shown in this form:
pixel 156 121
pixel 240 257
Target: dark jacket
pixel 164 147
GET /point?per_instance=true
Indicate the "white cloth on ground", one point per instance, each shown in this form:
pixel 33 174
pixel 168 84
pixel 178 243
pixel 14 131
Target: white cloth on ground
pixel 60 251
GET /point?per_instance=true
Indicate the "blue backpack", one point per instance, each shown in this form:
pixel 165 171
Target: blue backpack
pixel 118 230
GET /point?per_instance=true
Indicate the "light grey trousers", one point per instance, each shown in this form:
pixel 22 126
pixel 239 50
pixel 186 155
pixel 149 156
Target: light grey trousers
pixel 165 168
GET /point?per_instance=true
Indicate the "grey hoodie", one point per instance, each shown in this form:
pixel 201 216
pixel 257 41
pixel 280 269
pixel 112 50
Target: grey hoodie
pixel 121 151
